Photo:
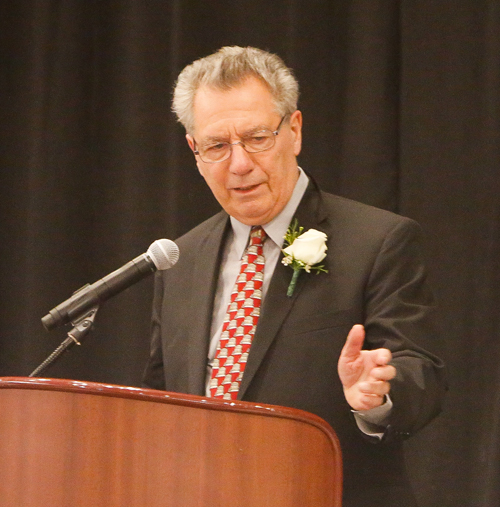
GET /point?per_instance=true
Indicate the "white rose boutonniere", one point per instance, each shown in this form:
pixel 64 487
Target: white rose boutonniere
pixel 304 252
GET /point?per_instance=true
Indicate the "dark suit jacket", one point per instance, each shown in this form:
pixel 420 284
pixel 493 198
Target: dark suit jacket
pixel 375 277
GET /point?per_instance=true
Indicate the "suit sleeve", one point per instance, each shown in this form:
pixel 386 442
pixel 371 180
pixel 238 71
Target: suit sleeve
pixel 400 315
pixel 154 377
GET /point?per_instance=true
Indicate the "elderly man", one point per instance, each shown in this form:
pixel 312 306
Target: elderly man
pixel 342 342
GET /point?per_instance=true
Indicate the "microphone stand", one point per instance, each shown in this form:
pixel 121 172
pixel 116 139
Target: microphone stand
pixel 82 327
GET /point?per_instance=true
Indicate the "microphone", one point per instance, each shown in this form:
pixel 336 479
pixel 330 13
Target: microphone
pixel 162 254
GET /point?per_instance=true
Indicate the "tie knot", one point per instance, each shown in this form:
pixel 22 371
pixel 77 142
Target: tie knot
pixel 257 235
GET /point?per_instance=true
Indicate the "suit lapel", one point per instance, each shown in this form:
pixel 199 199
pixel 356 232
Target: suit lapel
pixel 204 284
pixel 277 304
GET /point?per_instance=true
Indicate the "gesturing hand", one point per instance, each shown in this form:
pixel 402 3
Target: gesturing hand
pixel 364 374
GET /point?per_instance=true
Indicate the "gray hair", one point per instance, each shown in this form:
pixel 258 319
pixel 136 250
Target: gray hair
pixel 228 68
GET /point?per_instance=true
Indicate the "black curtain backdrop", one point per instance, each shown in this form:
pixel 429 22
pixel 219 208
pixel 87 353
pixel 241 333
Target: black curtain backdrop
pixel 401 104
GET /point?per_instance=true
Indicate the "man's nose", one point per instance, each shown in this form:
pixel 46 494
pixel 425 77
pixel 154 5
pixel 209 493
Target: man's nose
pixel 241 161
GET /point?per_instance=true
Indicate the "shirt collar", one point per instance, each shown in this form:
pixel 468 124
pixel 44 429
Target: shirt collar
pixel 277 227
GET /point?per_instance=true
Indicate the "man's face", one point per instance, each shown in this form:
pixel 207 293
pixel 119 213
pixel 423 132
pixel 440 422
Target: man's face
pixel 251 187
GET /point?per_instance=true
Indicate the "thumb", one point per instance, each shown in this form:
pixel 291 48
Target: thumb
pixel 353 344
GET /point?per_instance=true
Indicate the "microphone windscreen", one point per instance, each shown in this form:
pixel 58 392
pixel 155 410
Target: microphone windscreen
pixel 164 253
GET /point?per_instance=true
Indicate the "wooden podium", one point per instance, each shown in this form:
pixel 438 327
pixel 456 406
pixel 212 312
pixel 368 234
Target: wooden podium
pixel 67 443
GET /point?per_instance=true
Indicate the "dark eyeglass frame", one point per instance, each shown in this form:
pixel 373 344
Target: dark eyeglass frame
pixel 230 145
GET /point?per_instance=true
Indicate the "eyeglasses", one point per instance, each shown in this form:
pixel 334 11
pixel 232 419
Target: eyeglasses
pixel 255 142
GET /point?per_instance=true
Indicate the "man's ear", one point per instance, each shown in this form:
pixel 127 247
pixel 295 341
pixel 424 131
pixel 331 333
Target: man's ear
pixel 190 141
pixel 296 127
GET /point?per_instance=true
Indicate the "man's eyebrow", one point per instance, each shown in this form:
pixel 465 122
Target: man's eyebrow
pixel 223 139
pixel 253 130
pixel 214 139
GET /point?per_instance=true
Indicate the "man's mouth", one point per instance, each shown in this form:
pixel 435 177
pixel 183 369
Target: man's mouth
pixel 246 188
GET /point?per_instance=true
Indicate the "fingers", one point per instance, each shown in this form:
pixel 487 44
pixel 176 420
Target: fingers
pixel 354 343
pixel 370 395
pixel 365 374
pixel 387 372
pixel 377 382
pixel 382 356
pixel 369 401
pixel 377 385
pixel 379 388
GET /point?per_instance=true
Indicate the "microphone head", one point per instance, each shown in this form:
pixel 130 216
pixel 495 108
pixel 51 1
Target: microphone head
pixel 164 253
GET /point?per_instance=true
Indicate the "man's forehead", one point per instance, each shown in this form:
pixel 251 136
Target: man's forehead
pixel 250 102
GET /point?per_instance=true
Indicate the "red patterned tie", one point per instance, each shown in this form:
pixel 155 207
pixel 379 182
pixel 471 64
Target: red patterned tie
pixel 240 321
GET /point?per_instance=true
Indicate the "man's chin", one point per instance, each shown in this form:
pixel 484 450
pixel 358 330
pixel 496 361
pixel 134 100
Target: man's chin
pixel 251 213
